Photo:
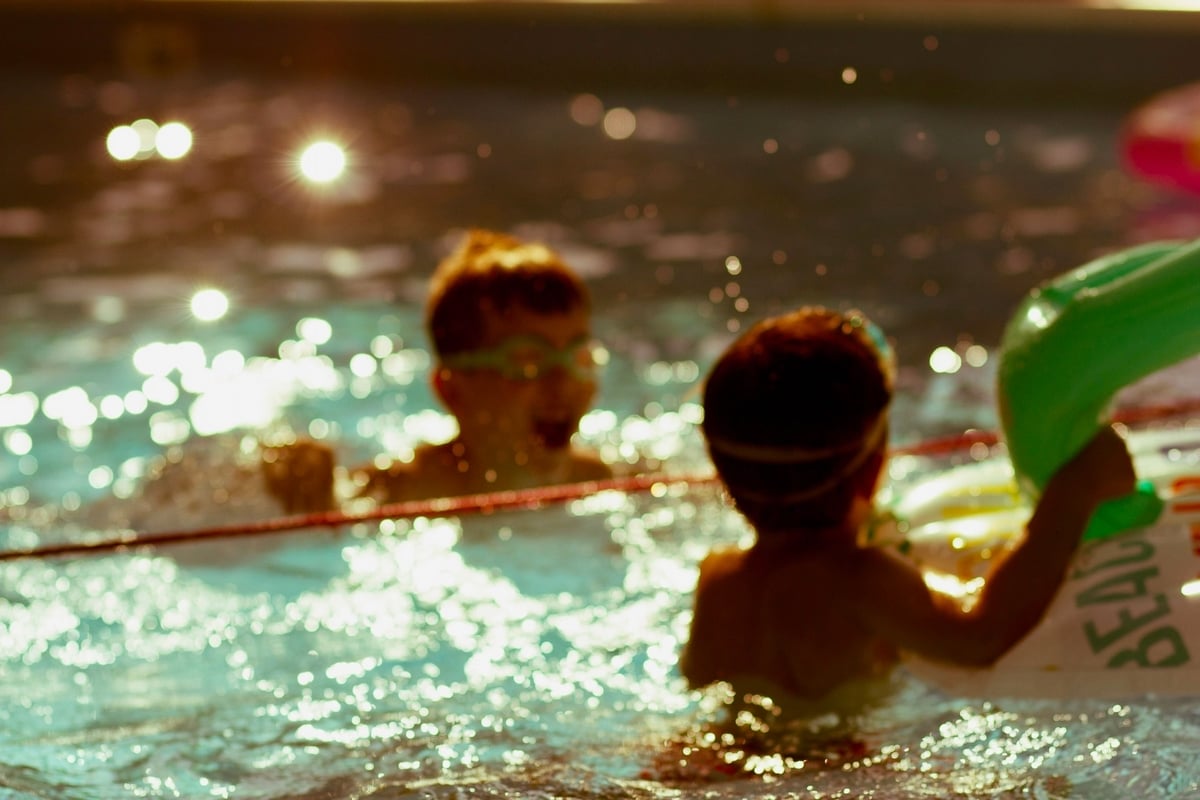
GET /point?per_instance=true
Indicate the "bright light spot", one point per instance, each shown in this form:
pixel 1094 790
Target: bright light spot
pixel 620 123
pixel 167 428
pixel 156 358
pixel 195 379
pixel 147 132
pixel 135 402
pixel 209 305
pixel 658 373
pixel 849 75
pixel 323 162
pixel 159 389
pixel 976 355
pixel 251 394
pixel 173 140
pixel 733 265
pixel 6 380
pixel 595 423
pixel 122 143
pixel 71 407
pixel 79 438
pixel 312 329
pixel 953 585
pixel 100 477
pixel 1162 5
pixel 189 357
pixel 382 346
pixel 317 374
pixel 225 408
pixel 945 360
pixel 228 362
pixel 363 365
pixel 1190 589
pixel 1037 315
pixel 133 467
pixel 18 442
pixel 111 406
pixel 430 425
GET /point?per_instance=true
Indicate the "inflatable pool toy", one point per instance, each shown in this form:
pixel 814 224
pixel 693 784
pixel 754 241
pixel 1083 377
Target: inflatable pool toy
pixel 1079 339
pixel 1161 140
pixel 1126 621
pixel 1127 617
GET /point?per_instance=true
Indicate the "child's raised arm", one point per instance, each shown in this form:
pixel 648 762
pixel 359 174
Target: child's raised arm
pixel 893 600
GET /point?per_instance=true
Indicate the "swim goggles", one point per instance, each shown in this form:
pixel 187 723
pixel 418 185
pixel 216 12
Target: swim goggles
pixel 787 456
pixel 527 357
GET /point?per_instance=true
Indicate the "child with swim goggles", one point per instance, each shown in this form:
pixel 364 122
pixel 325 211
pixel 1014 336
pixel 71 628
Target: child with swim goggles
pixel 510 327
pixel 796 423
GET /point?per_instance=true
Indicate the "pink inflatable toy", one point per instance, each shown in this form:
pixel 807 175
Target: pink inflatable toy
pixel 1161 140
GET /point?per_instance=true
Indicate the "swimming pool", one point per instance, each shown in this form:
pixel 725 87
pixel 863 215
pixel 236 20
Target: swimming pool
pixel 517 653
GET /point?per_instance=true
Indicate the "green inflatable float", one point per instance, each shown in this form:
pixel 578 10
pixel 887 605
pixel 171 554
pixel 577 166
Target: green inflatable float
pixel 1075 342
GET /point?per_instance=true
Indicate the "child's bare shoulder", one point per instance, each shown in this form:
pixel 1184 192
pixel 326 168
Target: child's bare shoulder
pixel 586 465
pixel 722 562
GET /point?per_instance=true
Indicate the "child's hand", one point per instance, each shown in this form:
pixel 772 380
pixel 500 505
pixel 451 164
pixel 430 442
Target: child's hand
pixel 300 475
pixel 1103 467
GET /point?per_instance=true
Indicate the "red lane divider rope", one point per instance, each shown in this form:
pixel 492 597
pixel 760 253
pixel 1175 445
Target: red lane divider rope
pixel 516 499
pixel 437 507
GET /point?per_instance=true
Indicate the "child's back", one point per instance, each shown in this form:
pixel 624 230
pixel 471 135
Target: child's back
pixel 763 619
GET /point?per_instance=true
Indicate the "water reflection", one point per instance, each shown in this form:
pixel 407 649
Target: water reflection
pixel 144 137
pixel 322 162
pixel 209 305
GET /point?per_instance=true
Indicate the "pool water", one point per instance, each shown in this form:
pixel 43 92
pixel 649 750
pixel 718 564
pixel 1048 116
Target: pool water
pixel 515 654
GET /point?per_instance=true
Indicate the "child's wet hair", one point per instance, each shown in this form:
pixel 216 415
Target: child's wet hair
pixel 494 273
pixel 795 417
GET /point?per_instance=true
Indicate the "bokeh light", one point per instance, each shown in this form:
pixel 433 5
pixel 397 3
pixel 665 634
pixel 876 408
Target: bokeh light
pixel 173 140
pixel 122 143
pixel 147 133
pixel 323 162
pixel 144 137
pixel 586 109
pixel 314 330
pixel 620 123
pixel 209 305
pixel 945 361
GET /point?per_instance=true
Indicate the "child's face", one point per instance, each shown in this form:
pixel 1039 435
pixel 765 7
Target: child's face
pixel 529 383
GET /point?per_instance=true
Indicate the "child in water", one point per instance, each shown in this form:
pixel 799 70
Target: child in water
pixel 510 325
pixel 796 422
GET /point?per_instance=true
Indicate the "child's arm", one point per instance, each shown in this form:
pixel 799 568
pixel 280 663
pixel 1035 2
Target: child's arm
pixel 894 602
pixel 300 475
